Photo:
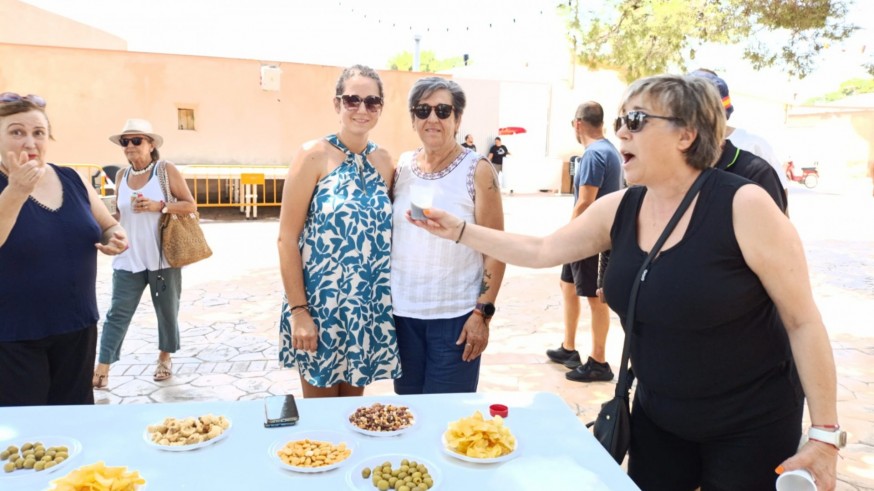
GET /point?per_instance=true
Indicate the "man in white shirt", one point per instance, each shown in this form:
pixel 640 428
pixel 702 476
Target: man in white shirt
pixel 740 137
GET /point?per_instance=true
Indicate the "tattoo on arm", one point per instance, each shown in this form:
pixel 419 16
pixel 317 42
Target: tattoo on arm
pixel 484 286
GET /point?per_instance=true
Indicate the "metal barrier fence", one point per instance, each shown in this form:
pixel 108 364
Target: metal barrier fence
pixel 235 185
pixel 211 185
pixel 96 176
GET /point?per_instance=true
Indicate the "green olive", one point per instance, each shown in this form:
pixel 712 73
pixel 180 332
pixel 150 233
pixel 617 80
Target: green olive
pixel 383 485
pixel 39 466
pixel 365 473
pixel 9 467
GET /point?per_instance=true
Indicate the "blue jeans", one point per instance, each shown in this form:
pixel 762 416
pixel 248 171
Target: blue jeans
pixel 430 359
pixel 165 286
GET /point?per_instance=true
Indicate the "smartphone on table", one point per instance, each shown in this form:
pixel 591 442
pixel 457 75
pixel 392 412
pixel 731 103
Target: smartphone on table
pixel 280 411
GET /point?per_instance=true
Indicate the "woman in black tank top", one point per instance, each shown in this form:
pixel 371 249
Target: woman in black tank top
pixel 727 339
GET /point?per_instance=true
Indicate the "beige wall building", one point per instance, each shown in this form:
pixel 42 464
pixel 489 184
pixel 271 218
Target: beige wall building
pixel 209 110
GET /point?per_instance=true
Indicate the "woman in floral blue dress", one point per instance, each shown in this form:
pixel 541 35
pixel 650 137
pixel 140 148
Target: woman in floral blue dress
pixel 334 251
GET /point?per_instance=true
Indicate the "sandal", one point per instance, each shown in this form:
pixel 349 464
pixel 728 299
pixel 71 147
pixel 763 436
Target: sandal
pixel 100 381
pixel 163 371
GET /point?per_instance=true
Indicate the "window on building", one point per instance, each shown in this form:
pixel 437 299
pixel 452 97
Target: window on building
pixel 186 118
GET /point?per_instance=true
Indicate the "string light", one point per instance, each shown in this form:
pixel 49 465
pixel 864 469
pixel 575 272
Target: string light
pixel 427 28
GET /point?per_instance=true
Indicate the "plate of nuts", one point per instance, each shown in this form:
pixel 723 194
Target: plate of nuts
pixel 312 451
pixel 36 455
pixel 382 419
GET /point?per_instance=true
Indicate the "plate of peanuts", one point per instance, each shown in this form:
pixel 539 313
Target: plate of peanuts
pixel 312 451
pixel 380 419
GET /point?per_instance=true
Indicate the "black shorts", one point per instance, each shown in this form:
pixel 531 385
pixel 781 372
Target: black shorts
pixel 583 274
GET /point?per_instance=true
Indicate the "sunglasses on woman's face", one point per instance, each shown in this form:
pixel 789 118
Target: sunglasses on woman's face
pixel 137 140
pixel 13 97
pixel 635 120
pixel 353 102
pixel 422 111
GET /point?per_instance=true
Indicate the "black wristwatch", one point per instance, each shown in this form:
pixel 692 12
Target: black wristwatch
pixel 487 310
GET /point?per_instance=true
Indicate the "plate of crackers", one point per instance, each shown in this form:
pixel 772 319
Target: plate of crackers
pixel 479 440
pixel 312 451
pixel 380 419
pixel 186 434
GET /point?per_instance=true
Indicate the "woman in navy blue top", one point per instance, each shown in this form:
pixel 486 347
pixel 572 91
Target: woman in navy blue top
pixel 51 227
pixel 727 340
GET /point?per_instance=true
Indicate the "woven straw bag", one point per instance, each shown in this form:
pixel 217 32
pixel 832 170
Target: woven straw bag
pixel 182 240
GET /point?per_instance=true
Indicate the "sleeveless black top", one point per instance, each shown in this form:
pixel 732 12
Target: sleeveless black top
pixel 709 350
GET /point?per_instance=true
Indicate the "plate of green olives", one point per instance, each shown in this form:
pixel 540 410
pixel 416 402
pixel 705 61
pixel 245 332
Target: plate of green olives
pixel 31 457
pixel 395 471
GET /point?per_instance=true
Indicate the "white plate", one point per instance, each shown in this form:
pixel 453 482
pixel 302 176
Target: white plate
pixel 186 448
pixel 503 458
pixel 333 437
pixel 74 447
pixel 355 481
pixel 381 433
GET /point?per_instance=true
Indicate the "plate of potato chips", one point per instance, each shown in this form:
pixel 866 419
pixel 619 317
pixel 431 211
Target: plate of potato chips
pixel 185 434
pixel 99 477
pixel 312 451
pixel 35 456
pixel 480 440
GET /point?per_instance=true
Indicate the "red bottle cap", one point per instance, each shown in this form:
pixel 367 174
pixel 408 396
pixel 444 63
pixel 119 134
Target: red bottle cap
pixel 499 410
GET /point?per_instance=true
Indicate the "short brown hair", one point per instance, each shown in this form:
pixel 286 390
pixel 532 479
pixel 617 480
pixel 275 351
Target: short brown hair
pixel 592 113
pixel 696 103
pixel 24 106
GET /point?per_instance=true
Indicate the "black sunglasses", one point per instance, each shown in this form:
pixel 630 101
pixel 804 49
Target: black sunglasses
pixel 137 140
pixel 422 111
pixel 353 102
pixel 635 120
pixel 13 97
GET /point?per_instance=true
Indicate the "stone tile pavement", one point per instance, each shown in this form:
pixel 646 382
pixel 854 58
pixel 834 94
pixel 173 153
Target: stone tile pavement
pixel 230 308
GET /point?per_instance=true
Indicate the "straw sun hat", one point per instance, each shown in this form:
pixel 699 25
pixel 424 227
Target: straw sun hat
pixel 138 127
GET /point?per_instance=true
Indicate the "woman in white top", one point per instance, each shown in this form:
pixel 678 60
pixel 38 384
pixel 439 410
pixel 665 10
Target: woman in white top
pixel 443 293
pixel 140 203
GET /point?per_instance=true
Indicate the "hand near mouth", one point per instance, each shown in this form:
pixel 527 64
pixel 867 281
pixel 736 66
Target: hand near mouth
pixel 24 172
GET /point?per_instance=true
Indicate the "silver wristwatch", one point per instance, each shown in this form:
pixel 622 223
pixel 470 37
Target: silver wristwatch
pixel 836 437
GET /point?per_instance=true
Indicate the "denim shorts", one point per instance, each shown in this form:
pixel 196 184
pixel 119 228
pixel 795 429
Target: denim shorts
pixel 430 359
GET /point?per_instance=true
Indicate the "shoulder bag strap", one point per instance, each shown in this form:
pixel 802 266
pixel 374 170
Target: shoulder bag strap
pixel 624 384
pixel 164 180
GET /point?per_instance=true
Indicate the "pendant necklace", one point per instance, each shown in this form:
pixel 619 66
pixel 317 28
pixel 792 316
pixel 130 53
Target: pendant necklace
pixel 135 172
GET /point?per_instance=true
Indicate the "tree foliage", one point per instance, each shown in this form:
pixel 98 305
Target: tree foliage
pixel 428 62
pixel 854 86
pixel 646 37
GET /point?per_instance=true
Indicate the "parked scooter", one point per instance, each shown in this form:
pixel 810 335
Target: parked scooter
pixel 809 175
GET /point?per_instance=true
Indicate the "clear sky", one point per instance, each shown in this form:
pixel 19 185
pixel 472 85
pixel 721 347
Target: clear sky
pixel 494 33
pixel 328 32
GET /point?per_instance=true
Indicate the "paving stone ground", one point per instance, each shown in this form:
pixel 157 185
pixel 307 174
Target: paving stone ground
pixel 230 311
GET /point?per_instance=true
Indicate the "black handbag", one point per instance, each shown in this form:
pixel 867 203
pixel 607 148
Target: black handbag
pixel 612 427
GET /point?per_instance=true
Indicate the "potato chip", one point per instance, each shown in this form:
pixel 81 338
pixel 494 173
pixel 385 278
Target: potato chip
pixel 99 477
pixel 480 438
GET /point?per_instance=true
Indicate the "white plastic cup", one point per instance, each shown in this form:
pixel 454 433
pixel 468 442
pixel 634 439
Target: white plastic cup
pixel 421 198
pixel 797 480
